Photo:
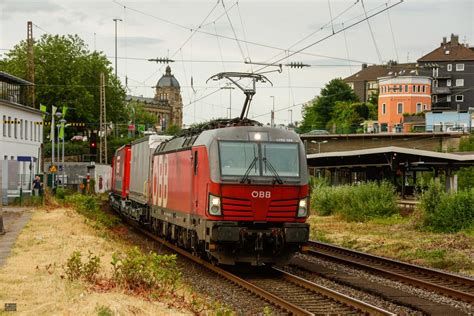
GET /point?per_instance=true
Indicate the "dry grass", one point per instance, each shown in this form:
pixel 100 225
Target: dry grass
pixel 33 277
pixel 397 238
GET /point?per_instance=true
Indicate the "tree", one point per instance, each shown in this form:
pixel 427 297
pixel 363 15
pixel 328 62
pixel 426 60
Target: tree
pixel 319 113
pixel 173 130
pixel 138 115
pixel 67 73
pixel 347 117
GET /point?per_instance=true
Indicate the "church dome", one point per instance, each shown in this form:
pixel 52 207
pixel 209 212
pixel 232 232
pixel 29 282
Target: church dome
pixel 168 80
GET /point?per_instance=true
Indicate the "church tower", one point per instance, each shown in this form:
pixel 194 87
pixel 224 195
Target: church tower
pixel 168 93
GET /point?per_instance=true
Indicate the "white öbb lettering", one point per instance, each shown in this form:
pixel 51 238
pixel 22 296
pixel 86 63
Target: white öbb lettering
pixel 262 194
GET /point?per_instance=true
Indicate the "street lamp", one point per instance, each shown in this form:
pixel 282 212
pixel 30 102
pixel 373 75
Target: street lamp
pixel 272 118
pixel 291 117
pixel 116 20
pixel 63 123
pixel 319 144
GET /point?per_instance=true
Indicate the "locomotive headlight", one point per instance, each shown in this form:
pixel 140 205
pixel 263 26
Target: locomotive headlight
pixel 303 208
pixel 214 205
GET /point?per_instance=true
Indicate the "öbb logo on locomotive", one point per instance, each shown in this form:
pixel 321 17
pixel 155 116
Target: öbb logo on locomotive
pixel 262 194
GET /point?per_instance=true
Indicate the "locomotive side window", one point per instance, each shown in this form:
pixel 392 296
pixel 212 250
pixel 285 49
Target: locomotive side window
pixel 237 157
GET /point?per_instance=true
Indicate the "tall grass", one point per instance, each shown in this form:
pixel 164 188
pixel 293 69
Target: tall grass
pixel 356 202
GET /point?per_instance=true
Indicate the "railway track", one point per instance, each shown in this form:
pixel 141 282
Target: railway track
pixel 289 293
pixel 454 286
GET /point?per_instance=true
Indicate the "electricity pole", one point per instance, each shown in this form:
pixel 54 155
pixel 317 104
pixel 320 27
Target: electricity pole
pixel 102 122
pixel 272 118
pixel 230 88
pixel 30 64
pixel 116 20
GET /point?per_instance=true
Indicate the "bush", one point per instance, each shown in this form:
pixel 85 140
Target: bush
pixel 356 202
pixel 369 200
pixel 89 207
pixel 442 212
pixel 76 269
pixel 145 272
pixel 466 178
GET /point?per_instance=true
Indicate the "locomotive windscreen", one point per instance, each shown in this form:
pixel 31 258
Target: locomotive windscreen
pixel 236 158
pixel 262 159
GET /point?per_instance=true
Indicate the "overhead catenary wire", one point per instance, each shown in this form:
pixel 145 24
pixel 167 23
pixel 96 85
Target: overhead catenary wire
pixel 372 33
pixel 393 35
pixel 233 31
pixel 335 33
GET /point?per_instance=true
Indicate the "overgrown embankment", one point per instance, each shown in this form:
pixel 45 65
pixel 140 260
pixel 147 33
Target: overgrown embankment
pixel 440 233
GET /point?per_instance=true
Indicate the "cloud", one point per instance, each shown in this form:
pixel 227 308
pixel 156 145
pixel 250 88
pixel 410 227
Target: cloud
pixel 138 41
pixel 33 6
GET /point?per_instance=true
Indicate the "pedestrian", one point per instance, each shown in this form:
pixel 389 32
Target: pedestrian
pixel 37 186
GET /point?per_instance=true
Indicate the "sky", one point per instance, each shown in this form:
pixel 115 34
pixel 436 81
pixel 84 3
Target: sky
pixel 207 37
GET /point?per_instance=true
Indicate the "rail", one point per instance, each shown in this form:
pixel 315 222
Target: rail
pixel 452 285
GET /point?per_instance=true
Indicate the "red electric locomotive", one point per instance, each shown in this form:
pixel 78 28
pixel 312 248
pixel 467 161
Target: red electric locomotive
pixel 234 191
pixel 238 194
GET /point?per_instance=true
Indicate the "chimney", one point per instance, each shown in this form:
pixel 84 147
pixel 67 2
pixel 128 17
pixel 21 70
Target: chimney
pixel 454 39
pixel 444 41
pixel 364 66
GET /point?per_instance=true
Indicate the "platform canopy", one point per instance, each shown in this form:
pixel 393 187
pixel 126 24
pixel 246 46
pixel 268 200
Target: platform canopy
pixel 391 156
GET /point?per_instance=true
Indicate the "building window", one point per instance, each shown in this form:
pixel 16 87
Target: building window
pixel 425 107
pixel 406 88
pixel 449 67
pixel 448 98
pixel 459 98
pixel 423 89
pixel 26 129
pixel 31 130
pixel 435 99
pixel 10 126
pixel 435 83
pixel 435 72
pixel 448 83
pixel 384 108
pixel 418 108
pixel 4 126
pixel 459 67
pixel 459 82
pixel 400 108
pixel 21 128
pixel 15 128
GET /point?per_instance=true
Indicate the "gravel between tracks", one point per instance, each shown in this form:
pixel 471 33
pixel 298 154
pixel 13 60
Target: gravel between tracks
pixel 462 306
pixel 205 283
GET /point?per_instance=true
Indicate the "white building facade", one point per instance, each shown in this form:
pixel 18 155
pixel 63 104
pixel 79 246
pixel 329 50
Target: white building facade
pixel 21 136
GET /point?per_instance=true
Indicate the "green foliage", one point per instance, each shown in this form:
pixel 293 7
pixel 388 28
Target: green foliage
pixel 443 212
pixel 173 130
pixel 103 310
pixel 76 269
pixel 319 113
pixel 467 143
pixel 466 178
pixel 67 73
pixel 138 115
pixel 70 148
pixel 347 117
pixel 149 272
pixel 89 207
pixel 356 202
